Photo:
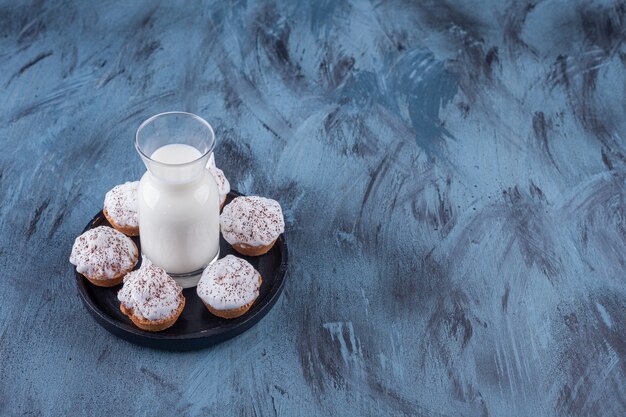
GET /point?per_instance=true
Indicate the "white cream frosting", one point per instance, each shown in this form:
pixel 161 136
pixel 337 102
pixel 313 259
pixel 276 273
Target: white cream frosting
pixel 103 252
pixel 223 186
pixel 229 283
pixel 121 204
pixel 255 221
pixel 151 293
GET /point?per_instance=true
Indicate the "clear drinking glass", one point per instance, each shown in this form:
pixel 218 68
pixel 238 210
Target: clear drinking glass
pixel 177 196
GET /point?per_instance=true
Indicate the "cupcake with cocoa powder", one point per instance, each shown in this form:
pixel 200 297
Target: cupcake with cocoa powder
pixel 252 224
pixel 104 256
pixel 151 299
pixel 229 287
pixel 223 186
pixel 120 208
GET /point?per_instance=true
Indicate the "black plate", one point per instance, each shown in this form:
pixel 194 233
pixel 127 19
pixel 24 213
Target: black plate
pixel 196 327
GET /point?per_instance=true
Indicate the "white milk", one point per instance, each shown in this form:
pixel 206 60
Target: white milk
pixel 178 211
pixel 176 153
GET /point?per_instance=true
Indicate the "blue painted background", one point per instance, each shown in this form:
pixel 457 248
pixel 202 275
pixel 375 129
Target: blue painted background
pixel 453 180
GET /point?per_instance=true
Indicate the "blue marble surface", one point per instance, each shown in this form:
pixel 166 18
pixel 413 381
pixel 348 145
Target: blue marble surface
pixel 453 179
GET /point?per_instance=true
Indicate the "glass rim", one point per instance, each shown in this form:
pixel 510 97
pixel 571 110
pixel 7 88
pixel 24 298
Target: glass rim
pixel 178 113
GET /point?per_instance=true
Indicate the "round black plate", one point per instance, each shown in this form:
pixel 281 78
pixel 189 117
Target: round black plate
pixel 196 327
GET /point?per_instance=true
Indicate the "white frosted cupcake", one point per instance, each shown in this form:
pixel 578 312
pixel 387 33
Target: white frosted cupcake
pixel 151 299
pixel 229 287
pixel 252 224
pixel 103 256
pixel 223 186
pixel 120 208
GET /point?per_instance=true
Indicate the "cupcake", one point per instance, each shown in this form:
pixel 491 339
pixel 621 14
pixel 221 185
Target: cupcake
pixel 229 287
pixel 103 256
pixel 223 186
pixel 252 224
pixel 151 299
pixel 120 208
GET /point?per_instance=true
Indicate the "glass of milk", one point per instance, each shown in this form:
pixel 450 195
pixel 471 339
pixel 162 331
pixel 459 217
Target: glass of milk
pixel 177 196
